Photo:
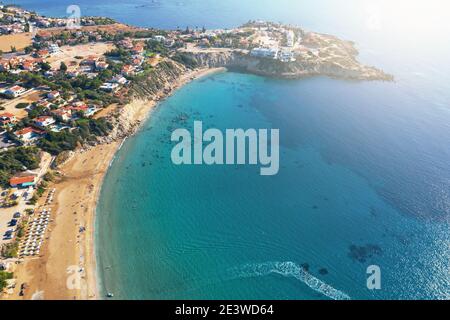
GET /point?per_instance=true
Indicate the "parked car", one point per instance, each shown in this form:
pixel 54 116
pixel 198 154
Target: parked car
pixel 8 235
pixel 16 215
pixel 13 223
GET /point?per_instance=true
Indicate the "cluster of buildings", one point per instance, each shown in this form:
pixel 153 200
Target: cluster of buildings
pixel 15 27
pixel 281 43
pixel 57 111
pixel 52 120
pixel 137 50
pixel 260 39
pixel 284 55
pixel 90 67
pixel 13 20
pixel 17 63
pixel 17 20
pixel 265 53
pixel 221 38
pixel 56 115
pixel 168 42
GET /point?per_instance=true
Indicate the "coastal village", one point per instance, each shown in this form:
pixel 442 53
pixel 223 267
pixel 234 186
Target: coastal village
pixel 63 87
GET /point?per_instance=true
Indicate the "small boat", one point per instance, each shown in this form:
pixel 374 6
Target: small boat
pixel 109 295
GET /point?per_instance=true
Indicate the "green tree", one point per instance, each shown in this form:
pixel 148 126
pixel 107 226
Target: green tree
pixel 45 66
pixel 63 67
pixel 3 277
pixel 17 159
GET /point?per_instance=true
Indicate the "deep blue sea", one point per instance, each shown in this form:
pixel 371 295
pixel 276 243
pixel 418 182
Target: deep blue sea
pixel 364 166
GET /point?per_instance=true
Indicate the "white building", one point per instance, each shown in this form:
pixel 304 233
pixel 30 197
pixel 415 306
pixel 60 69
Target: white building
pixel 159 38
pixel 53 95
pixel 29 134
pixel 14 91
pixel 286 56
pixel 101 65
pixel 290 38
pixel 119 79
pixel 54 48
pixel 109 87
pixel 265 52
pixel 44 121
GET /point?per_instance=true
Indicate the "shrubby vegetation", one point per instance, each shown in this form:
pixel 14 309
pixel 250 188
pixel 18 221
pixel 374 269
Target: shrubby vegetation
pixel 98 21
pixel 56 142
pixel 186 60
pixel 10 250
pixel 15 160
pixel 91 128
pixel 22 105
pixel 4 276
pixel 120 54
pixel 156 46
pixel 87 130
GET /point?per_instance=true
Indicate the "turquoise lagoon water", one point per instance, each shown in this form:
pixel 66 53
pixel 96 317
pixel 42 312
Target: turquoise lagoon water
pixel 364 167
pixel 169 231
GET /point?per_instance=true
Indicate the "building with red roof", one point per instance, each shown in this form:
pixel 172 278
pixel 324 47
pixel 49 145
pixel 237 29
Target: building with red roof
pixel 29 134
pixel 44 121
pixel 22 181
pixel 7 118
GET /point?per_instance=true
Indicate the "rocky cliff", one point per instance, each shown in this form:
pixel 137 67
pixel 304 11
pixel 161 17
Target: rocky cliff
pixel 346 67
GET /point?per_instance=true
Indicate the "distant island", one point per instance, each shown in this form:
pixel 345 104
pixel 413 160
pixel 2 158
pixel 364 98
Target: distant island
pixel 70 95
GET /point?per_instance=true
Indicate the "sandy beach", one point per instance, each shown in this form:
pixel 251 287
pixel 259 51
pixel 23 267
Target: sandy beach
pixel 66 269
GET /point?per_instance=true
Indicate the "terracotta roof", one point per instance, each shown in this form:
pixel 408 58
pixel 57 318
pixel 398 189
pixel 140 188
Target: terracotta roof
pixel 28 130
pixel 6 115
pixel 24 131
pixel 61 111
pixel 16 88
pixel 79 108
pixel 42 119
pixel 20 180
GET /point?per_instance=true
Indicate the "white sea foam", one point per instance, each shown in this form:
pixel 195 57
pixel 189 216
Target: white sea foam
pixel 291 269
pixel 121 144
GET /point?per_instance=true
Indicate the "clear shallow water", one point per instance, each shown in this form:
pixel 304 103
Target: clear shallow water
pixel 226 232
pixel 362 164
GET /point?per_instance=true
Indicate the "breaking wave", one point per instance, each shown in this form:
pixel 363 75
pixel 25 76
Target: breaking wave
pixel 290 269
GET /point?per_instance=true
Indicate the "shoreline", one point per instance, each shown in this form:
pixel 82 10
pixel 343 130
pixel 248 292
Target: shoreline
pixel 184 79
pixel 67 269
